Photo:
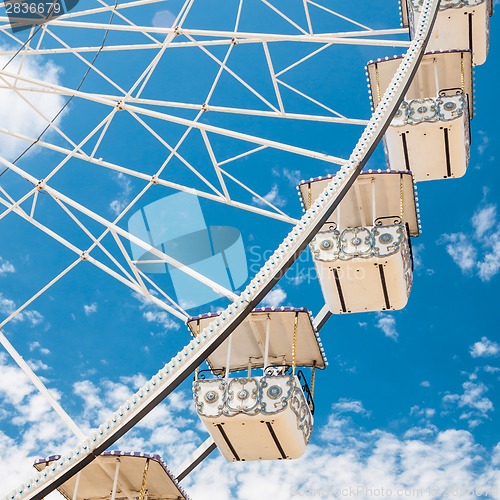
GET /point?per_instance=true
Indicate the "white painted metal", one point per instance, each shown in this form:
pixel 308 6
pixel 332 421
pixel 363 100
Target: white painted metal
pixel 376 195
pixel 430 133
pixel 265 418
pixel 459 25
pixel 249 344
pixel 191 462
pixel 266 346
pixel 357 285
pixel 77 485
pixel 435 148
pixel 115 481
pixel 454 70
pixel 363 256
pixel 126 469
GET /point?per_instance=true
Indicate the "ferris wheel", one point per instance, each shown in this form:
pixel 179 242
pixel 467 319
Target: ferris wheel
pixel 136 133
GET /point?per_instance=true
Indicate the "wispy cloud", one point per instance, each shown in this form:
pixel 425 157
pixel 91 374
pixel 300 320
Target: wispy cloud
pixel 387 324
pixel 123 199
pixel 461 250
pixel 90 308
pixel 33 428
pixel 484 139
pixel 418 262
pixel 161 318
pixel 8 306
pixel 163 19
pixel 6 267
pixel 275 297
pixel 477 253
pixel 272 197
pixel 474 405
pixel 16 111
pixel 484 348
pixel 349 406
pixel 152 314
pixel 37 347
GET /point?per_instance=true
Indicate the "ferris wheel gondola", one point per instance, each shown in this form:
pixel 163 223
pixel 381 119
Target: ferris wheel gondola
pixel 119 475
pixel 430 133
pixel 460 24
pixel 363 253
pixel 267 415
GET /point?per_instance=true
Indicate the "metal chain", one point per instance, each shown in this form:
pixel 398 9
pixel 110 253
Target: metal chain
pixel 462 72
pixel 294 343
pixel 197 369
pixel 142 493
pixel 377 77
pixel 313 378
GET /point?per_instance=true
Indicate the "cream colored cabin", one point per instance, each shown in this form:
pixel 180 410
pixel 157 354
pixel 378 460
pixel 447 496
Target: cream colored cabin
pixel 430 133
pixel 460 24
pixel 266 412
pixel 363 253
pixel 118 475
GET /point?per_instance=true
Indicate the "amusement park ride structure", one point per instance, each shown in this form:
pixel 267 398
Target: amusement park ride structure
pixel 255 399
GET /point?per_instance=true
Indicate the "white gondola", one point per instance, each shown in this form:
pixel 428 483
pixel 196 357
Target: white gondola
pixel 363 253
pixel 117 475
pixel 266 415
pixel 460 24
pixel 430 133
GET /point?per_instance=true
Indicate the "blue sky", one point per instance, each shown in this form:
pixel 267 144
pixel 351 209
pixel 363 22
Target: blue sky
pixel 410 398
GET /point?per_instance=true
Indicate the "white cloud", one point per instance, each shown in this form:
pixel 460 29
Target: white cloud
pixel 419 267
pixel 387 324
pixel 33 429
pixel 352 462
pixel 484 220
pixel 90 308
pixel 37 364
pixel 461 250
pixel 170 429
pixel 163 19
pixel 8 306
pixel 349 406
pixel 484 348
pixel 144 301
pixel 162 318
pixel 153 314
pixel 16 115
pixel 483 145
pixel 6 267
pixel 293 176
pixel 119 204
pixel 272 197
pixel 36 346
pixel 34 318
pixel 425 383
pixel 477 253
pixel 474 405
pixel 424 462
pixel 275 297
pixel 491 369
pixel 424 413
